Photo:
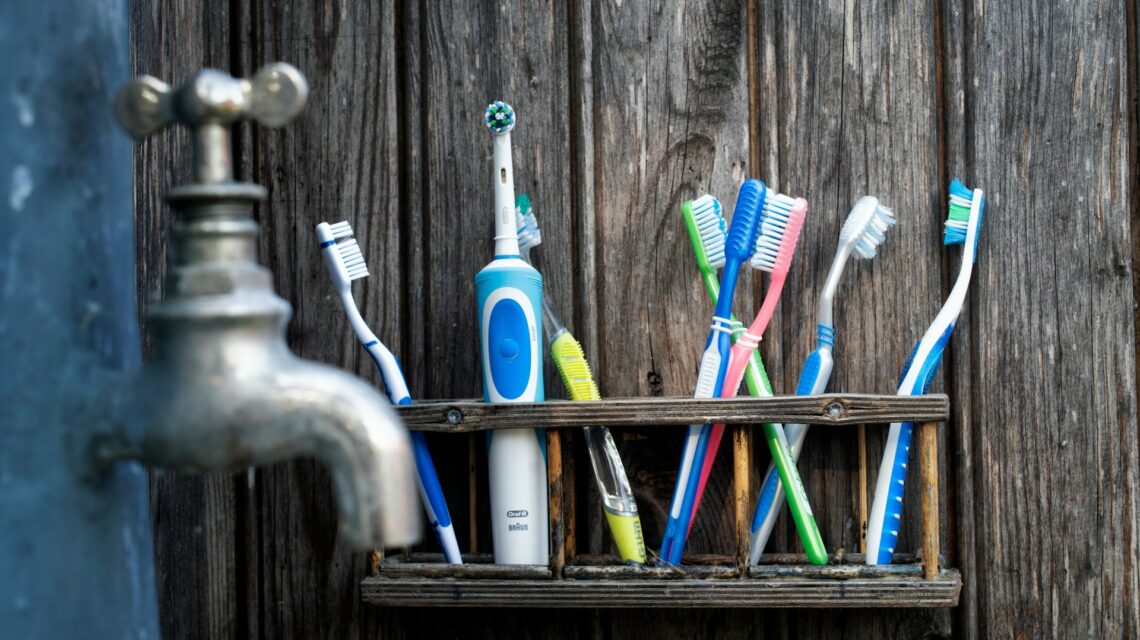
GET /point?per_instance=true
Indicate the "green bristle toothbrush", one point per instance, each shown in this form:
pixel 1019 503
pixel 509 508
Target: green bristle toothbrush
pixel 706 225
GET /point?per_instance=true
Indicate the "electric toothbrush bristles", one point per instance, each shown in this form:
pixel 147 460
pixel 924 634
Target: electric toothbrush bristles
pixel 499 117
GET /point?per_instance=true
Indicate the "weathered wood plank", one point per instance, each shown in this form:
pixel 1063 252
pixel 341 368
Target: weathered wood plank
pixel 928 486
pixel 897 591
pixel 462 60
pixel 470 570
pixel 1036 118
pixel 197 518
pixel 668 118
pixel 850 106
pixel 848 410
pixel 853 93
pixel 334 162
pixel 459 57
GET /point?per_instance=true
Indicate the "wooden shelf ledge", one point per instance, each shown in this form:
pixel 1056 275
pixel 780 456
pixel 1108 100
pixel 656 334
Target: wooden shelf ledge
pixel 892 589
pixel 458 416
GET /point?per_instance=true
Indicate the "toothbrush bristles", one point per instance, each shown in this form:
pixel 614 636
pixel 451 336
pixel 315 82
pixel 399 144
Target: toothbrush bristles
pixel 499 117
pixel 530 236
pixel 352 258
pixel 779 232
pixel 881 221
pixel 709 217
pixel 958 219
pixel 340 230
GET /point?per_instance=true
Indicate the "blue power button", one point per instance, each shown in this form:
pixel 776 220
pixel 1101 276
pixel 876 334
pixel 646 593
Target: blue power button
pixel 508 348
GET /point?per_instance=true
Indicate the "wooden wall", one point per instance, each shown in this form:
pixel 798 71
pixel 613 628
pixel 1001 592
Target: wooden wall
pixel 626 109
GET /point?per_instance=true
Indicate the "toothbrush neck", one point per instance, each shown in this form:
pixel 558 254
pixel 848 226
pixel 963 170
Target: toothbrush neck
pixel 550 322
pixel 506 234
pixel 831 285
pixel 728 283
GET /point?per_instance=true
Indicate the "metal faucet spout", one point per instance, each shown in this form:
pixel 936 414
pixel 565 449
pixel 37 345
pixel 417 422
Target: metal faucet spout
pixel 223 392
pixel 197 417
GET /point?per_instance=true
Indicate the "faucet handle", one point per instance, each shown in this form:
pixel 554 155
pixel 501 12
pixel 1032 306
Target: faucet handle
pixel 208 102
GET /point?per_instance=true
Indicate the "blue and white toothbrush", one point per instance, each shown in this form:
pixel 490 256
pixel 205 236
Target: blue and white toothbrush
pixel 509 294
pixel 862 233
pixel 345 263
pixel 739 246
pixel 963 226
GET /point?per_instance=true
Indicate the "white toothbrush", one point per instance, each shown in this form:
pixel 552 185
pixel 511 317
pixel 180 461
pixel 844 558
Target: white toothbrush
pixel 963 226
pixel 861 234
pixel 345 263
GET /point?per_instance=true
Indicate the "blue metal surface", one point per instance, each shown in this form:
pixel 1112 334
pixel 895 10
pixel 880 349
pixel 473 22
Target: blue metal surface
pixel 75 551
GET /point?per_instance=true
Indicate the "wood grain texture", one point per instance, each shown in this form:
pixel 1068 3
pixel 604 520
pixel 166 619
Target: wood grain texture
pixel 626 109
pixel 886 592
pixel 849 101
pixel 854 95
pixel 669 114
pixel 1046 386
pixel 458 416
pixel 195 517
pixel 928 487
pixel 334 162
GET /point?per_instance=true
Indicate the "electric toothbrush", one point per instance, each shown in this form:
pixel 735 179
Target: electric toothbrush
pixel 509 295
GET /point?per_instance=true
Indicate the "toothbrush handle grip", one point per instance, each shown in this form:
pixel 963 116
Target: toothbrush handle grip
pixel 813 379
pixel 785 464
pixel 434 503
pixel 885 528
pixel 738 359
pixel 884 521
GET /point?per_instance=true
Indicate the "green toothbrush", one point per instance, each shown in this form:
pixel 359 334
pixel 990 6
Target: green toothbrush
pixel 705 223
pixel 609 472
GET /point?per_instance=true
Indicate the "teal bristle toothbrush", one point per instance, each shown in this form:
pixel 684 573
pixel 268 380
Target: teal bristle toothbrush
pixel 963 226
pixel 706 231
pixel 861 234
pixel 739 245
pixel 617 497
pixel 509 295
pixel 345 263
pixel 783 218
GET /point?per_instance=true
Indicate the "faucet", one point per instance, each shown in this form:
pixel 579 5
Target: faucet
pixel 223 392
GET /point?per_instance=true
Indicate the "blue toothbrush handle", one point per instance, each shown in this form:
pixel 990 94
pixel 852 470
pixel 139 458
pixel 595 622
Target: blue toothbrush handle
pixel 710 375
pixel 434 502
pixel 509 297
pixel 900 436
pixel 901 432
pixel 431 492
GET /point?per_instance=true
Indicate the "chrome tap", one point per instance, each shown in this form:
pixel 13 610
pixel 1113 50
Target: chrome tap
pixel 223 391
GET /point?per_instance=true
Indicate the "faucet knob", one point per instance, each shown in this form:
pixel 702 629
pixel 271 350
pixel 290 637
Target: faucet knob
pixel 208 102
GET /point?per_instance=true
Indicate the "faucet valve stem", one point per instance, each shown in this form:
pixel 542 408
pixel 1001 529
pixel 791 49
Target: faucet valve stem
pixel 208 103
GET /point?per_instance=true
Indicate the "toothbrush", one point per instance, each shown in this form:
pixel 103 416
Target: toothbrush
pixel 963 226
pixel 783 218
pixel 706 231
pixel 739 245
pixel 509 295
pixel 617 497
pixel 862 233
pixel 345 263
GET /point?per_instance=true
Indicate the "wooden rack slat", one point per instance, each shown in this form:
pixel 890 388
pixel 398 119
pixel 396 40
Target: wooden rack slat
pixel 457 416
pixel 780 592
pixel 715 581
